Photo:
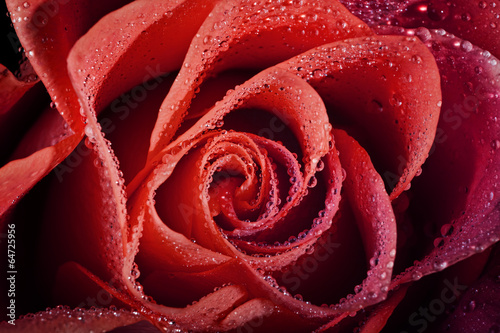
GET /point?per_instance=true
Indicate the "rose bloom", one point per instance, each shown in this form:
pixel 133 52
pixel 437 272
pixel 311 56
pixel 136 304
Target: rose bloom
pixel 250 166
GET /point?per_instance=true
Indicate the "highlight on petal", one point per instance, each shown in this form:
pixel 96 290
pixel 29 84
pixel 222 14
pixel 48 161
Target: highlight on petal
pixel 375 85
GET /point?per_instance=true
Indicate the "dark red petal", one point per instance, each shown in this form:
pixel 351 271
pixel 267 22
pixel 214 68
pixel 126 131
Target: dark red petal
pixel 251 35
pixel 430 300
pixel 458 193
pixel 475 21
pixel 85 216
pixel 379 316
pixel 129 119
pixel 478 309
pixel 376 12
pixel 372 208
pixel 48 130
pixel 379 85
pixel 373 320
pixel 142 326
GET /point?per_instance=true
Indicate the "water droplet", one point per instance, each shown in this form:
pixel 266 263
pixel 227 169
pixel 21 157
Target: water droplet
pixel 376 106
pixel 317 73
pixel 417 59
pixel 438 242
pixel 446 230
pixel 320 166
pixel 312 182
pixel 466 46
pixel 469 307
pixel 89 131
pixel 495 144
pixel 466 17
pixel 439 265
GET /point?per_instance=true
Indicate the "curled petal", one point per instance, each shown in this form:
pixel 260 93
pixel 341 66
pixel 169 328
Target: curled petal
pixel 372 208
pixel 47 30
pixel 233 37
pixel 102 71
pixel 379 84
pixel 459 187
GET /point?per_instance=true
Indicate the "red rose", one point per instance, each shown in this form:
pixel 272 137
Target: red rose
pixel 251 166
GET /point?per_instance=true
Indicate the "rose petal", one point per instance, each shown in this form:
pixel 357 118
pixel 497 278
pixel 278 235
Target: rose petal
pixel 478 309
pixel 11 90
pixel 16 115
pixel 304 113
pixel 85 216
pixel 459 191
pixel 110 58
pixel 64 319
pixel 475 21
pixel 374 216
pixel 232 37
pixel 142 326
pixel 134 112
pixel 430 300
pixel 47 30
pixel 378 317
pixel 366 82
pixel 19 176
pixel 49 129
